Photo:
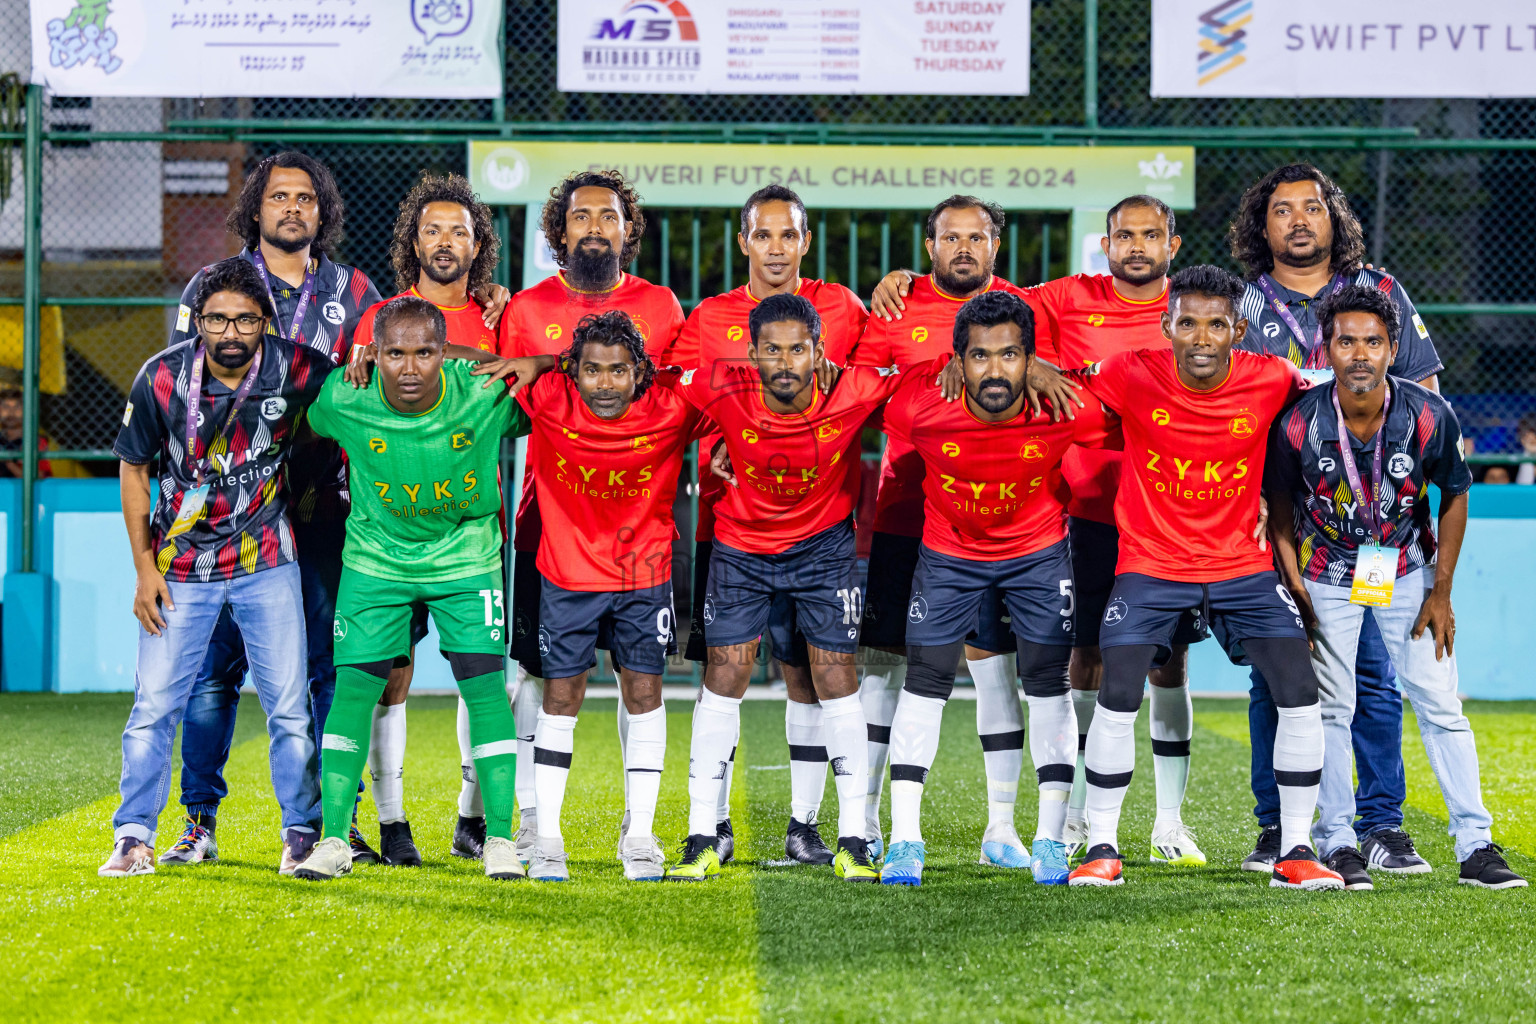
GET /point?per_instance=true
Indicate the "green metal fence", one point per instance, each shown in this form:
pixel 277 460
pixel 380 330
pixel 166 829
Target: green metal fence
pixel 112 203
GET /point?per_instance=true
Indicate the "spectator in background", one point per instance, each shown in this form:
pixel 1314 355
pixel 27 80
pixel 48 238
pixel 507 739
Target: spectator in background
pixel 1498 474
pixel 1526 474
pixel 12 410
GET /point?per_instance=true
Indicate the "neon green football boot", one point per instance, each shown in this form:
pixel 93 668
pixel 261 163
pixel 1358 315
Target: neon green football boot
pixel 699 863
pixel 852 863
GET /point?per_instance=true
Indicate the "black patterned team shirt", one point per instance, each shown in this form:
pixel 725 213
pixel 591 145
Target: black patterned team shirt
pixel 1422 445
pixel 244 528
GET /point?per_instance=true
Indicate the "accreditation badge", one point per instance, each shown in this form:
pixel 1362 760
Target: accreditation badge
pixel 1317 377
pixel 1375 575
pixel 191 511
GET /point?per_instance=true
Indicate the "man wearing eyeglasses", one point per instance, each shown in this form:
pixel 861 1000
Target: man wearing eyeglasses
pixel 216 416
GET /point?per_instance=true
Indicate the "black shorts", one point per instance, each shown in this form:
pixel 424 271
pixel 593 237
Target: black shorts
pixel 818 575
pixel 637 624
pixel 785 641
pixel 1146 610
pixel 888 598
pixel 949 594
pixel 1095 549
pixel 527 585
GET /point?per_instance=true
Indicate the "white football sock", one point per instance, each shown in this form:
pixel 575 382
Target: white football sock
pixel 807 759
pixel 716 722
pixel 1172 724
pixel 1110 758
pixel 386 761
pixel 878 693
pixel 1298 769
pixel 624 744
pixel 1083 704
pixel 914 744
pixel 1000 724
pixel 848 754
pixel 1052 746
pixel 525 717
pixel 470 804
pixel 644 754
pixel 554 739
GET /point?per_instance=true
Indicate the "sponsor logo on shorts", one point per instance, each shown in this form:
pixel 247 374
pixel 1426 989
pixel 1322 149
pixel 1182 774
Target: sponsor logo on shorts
pixel 1400 465
pixel 919 334
pixel 553 332
pixel 333 313
pixel 951 449
pixel 376 444
pixel 339 628
pixel 1160 417
pixel 733 332
pixel 917 611
pixel 1244 424
pixel 1116 611
pixel 273 408
pixel 462 438
pixel 543 642
pixel 1066 625
pixel 1096 319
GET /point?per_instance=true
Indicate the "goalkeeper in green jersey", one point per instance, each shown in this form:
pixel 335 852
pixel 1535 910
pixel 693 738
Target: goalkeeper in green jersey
pixel 422 448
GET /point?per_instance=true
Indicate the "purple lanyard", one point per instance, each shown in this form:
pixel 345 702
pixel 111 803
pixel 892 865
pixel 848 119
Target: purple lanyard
pixel 1311 354
pixel 1352 472
pixel 306 293
pixel 195 400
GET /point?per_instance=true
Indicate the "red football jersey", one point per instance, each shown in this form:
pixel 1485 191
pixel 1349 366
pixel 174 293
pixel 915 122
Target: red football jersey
pixel 994 490
pixel 797 474
pixel 540 321
pixel 465 326
pixel 1189 498
pixel 606 486
pixel 925 332
pixel 717 330
pixel 1080 320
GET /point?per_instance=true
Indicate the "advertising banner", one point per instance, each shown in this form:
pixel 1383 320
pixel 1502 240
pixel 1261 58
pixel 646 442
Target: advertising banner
pixel 1343 48
pixel 968 47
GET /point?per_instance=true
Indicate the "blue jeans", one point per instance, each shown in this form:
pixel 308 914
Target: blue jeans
pixel 268 605
pixel 1377 736
pixel 209 728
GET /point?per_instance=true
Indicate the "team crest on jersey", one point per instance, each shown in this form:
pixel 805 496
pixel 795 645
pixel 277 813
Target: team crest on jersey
pixel 829 430
pixel 641 326
pixel 733 333
pixel 951 449
pixel 570 433
pixel 333 312
pixel 643 443
pixel 749 436
pixel 273 408
pixel 1160 417
pixel 1034 450
pixel 553 332
pixel 1244 424
pixel 462 438
pixel 1096 319
pixel 1400 465
pixel 919 334
pixel 376 444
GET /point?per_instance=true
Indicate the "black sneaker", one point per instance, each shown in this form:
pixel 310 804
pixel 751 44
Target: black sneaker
pixel 803 843
pixel 725 842
pixel 1391 850
pixel 1350 865
pixel 362 853
pixel 1486 868
pixel 1265 852
pixel 469 838
pixel 396 845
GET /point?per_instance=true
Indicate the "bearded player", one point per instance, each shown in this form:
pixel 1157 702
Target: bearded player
pixel 784 527
pixel 1195 418
pixel 964 234
pixel 994 520
pixel 610 433
pixel 422 448
pixel 593 223
pixel 775 236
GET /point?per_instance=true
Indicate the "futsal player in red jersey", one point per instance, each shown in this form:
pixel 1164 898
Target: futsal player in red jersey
pixel 775 237
pixel 786 526
pixel 1195 418
pixel 593 224
pixel 964 234
pixel 995 505
pixel 611 435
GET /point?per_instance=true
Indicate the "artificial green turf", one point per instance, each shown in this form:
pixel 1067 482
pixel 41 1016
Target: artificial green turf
pixel 234 941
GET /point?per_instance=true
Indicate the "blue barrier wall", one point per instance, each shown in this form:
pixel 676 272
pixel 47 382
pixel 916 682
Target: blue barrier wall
pixel 83 548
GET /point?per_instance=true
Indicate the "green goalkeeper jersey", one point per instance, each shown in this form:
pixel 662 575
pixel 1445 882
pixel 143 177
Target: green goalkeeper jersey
pixel 424 489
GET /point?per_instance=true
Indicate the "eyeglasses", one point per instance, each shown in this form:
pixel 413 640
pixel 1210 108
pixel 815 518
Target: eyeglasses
pixel 218 323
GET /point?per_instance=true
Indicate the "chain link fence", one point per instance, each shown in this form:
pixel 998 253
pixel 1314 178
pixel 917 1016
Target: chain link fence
pixel 135 192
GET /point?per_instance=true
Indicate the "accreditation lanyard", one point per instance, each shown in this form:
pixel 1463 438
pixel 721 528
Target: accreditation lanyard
pixel 1312 352
pixel 1375 563
pixel 306 294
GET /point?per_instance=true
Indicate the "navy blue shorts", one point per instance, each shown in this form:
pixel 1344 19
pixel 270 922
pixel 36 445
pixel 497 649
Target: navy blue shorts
pixel 636 625
pixel 1146 610
pixel 784 640
pixel 1095 549
pixel 949 594
pixel 892 564
pixel 818 575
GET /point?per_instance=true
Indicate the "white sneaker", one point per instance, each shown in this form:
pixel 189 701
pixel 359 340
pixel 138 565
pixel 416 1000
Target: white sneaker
pixel 1174 844
pixel 548 864
pixel 643 860
pixel 1001 847
pixel 129 857
pixel 618 851
pixel 526 836
pixel 1074 836
pixel 501 859
pixel 330 858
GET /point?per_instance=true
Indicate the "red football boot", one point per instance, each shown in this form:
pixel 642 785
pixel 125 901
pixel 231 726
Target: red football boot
pixel 1300 869
pixel 1100 867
